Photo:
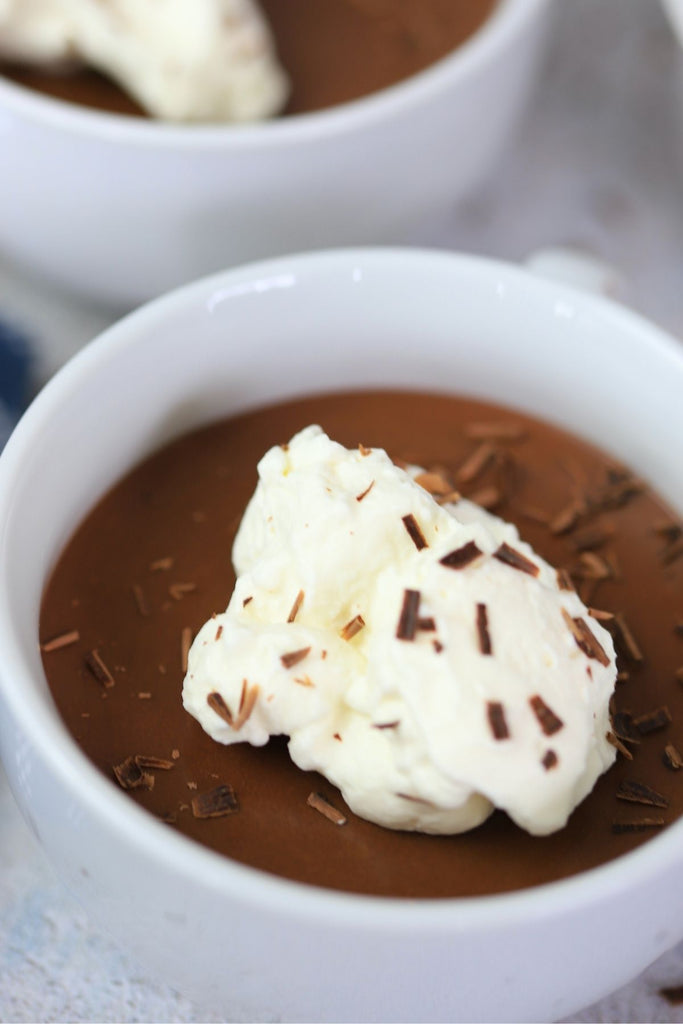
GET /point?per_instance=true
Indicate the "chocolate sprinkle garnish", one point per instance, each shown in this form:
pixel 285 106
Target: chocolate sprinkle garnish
pixel 564 580
pixel 671 757
pixel 476 463
pixel 639 793
pixel 149 761
pixel 364 494
pixel 130 775
pixel 434 483
pixel 98 669
pixel 585 639
pixel 63 640
pixel 486 497
pixel 616 742
pixel 566 519
pixel 217 703
pixel 408 619
pixel 318 802
pixel 652 721
pixel 503 431
pixel 426 624
pixel 215 803
pixel 161 564
pixel 497 722
pixel 185 644
pixel 485 645
pixel 352 627
pixel 625 640
pixel 246 601
pixel 461 557
pixel 178 590
pixel 294 657
pixel 219 632
pixel 414 532
pixel 549 760
pixel 140 599
pixel 298 601
pixel 386 725
pixel 591 537
pixel 673 994
pixel 509 556
pixel 547 719
pixel 637 825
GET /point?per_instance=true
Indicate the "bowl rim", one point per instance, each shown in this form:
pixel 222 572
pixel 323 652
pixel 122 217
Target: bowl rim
pixel 500 29
pixel 183 856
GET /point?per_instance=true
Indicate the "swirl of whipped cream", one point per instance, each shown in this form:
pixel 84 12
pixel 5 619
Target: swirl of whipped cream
pixel 419 655
pixel 182 60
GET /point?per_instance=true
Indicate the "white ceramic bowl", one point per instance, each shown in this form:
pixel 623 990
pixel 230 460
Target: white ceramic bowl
pixel 252 945
pixel 119 209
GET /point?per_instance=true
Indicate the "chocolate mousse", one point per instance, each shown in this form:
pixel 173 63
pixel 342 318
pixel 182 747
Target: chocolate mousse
pixel 152 562
pixel 333 51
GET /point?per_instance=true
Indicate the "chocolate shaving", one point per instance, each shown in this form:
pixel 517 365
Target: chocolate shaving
pixel 363 450
pixel 639 793
pixel 506 430
pixel 652 721
pixel 178 590
pixel 621 747
pixel 63 640
pixel 294 657
pixel 549 760
pixel 485 645
pixel 149 761
pixel 408 619
pixel 622 724
pixel 624 639
pixel 434 483
pixel 386 725
pixel 161 564
pixel 486 497
pixel 668 529
pixel 304 680
pixel 130 775
pixel 566 519
pixel 319 803
pixel 599 615
pixel 476 463
pixel 497 721
pixel 298 601
pixel 547 719
pixel 564 580
pixel 219 632
pixel 426 624
pixel 591 566
pixel 414 532
pixel 217 703
pixel 352 627
pixel 185 644
pixel 509 556
pixel 637 825
pixel 592 537
pixel 672 553
pixel 461 557
pixel 671 757
pixel 98 669
pixel 140 600
pixel 246 601
pixel 364 494
pixel 585 639
pixel 215 803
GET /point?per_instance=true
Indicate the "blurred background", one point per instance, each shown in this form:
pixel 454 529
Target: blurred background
pixel 597 165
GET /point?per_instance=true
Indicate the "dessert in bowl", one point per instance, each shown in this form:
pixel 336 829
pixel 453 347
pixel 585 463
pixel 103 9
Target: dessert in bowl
pixel 124 207
pixel 404 321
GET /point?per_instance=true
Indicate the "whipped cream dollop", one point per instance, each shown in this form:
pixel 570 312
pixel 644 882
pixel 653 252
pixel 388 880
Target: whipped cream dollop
pixel 418 654
pixel 182 60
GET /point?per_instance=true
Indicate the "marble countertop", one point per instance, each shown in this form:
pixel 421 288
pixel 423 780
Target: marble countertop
pixel 598 165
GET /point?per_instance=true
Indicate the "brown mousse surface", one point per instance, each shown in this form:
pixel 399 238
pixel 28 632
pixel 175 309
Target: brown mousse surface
pixel 333 50
pixel 151 564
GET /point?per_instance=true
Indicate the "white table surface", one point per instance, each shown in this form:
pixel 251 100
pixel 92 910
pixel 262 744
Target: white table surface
pixel 598 163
